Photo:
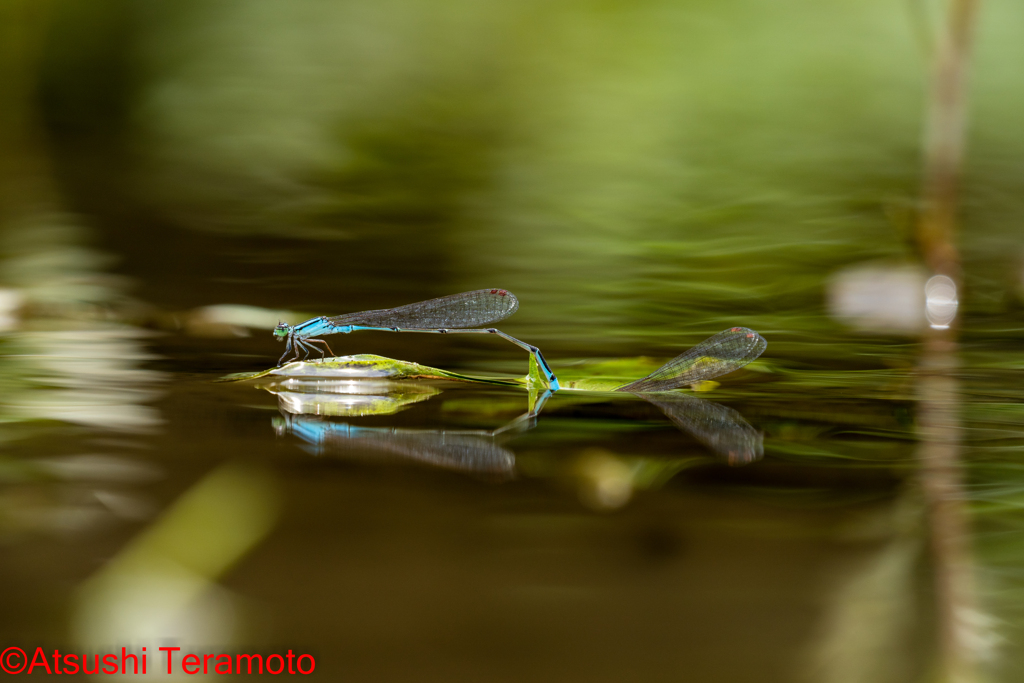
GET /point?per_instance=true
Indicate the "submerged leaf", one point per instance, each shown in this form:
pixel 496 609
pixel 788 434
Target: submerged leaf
pixel 346 398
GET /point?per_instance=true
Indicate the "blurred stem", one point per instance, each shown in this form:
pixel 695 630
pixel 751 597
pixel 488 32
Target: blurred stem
pixel 944 140
pixel 940 429
pixel 939 412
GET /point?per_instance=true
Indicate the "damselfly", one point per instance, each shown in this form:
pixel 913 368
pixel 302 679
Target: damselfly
pixel 717 355
pixel 465 313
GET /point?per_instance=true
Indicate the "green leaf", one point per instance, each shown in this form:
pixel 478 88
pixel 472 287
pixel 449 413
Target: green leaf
pixel 364 366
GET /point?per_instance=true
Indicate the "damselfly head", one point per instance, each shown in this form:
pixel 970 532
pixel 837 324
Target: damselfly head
pixel 281 331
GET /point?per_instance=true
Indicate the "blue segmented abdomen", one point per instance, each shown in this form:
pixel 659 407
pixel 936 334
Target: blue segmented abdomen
pixel 319 326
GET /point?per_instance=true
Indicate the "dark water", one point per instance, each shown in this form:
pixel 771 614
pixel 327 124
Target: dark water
pixel 641 176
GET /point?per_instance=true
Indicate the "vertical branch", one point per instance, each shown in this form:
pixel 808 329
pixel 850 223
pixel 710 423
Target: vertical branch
pixel 944 141
pixel 939 418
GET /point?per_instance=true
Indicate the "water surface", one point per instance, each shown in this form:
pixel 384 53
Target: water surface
pixel 641 176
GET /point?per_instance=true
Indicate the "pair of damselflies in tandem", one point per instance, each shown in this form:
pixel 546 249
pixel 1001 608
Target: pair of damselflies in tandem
pixel 472 312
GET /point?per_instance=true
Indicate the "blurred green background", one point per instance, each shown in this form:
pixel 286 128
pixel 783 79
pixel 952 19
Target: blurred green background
pixel 641 174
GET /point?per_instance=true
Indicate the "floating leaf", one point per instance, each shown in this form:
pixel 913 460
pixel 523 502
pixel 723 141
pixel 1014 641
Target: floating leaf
pixel 365 366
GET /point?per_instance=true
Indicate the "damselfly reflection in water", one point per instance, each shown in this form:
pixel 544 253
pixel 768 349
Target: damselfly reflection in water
pixel 470 451
pixel 313 414
pixel 718 427
pixel 305 415
pixel 722 429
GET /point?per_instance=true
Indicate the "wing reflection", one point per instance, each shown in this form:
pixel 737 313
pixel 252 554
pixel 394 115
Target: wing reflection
pixel 475 451
pixel 718 427
pixel 307 407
